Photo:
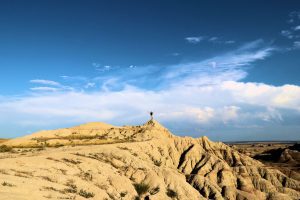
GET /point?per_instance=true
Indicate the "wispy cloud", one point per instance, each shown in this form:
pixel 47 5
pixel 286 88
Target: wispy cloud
pixel 50 86
pixel 175 54
pixel 293 33
pixel 218 40
pixel 297 28
pixel 229 42
pixel 44 89
pixel 194 40
pixel 230 66
pixel 213 39
pixel 89 85
pixel 294 17
pixel 296 45
pixel 288 34
pixel 104 68
pixel 45 82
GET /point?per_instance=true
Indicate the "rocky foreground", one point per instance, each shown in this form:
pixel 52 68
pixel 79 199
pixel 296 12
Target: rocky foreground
pixel 100 161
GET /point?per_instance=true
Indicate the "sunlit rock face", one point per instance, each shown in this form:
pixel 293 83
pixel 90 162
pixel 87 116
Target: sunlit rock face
pixel 101 161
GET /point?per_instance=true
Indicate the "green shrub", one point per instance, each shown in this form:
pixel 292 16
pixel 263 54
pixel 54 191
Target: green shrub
pixel 4 148
pixel 171 193
pixel 157 163
pixel 141 188
pixel 56 145
pixel 72 188
pixel 154 191
pixel 123 194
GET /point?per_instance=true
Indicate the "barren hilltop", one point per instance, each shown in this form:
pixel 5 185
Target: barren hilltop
pixel 101 161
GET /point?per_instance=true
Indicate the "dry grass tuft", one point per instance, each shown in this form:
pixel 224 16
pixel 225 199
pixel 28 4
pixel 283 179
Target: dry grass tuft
pixel 86 194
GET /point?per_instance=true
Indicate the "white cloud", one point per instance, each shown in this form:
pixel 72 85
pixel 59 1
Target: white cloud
pixel 271 114
pixel 104 68
pixel 44 89
pixel 225 104
pixel 96 65
pixel 286 96
pixel 194 40
pixel 297 28
pixel 296 44
pixel 229 66
pixel 175 54
pixel 202 115
pixel 213 64
pixel 287 34
pixel 90 85
pixel 294 17
pixel 229 42
pixel 51 86
pixel 217 40
pixel 213 39
pixel 293 32
pixel 45 82
pixel 230 113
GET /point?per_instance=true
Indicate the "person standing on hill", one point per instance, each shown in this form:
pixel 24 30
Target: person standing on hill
pixel 151 115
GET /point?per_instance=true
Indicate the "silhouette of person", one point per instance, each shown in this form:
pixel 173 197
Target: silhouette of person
pixel 151 114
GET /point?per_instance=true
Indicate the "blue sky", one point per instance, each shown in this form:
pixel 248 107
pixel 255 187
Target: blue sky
pixel 228 70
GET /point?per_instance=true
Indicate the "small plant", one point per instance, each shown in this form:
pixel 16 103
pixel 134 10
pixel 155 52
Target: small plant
pixel 47 178
pixel 40 148
pixel 123 194
pixel 86 194
pixel 135 154
pixel 123 148
pixel 171 193
pixel 75 162
pixel 7 184
pixel 154 191
pixel 141 188
pixel 51 189
pixel 4 148
pixel 87 176
pixel 72 188
pixel 57 145
pixel 157 163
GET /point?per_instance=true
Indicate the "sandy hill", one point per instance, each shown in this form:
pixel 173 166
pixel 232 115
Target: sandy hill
pixel 100 161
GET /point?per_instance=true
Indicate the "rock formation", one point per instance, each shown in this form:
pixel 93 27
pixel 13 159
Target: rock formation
pixel 101 161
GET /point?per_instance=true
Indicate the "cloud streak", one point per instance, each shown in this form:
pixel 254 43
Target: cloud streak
pixel 194 40
pixel 45 82
pixel 293 32
pixel 213 39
